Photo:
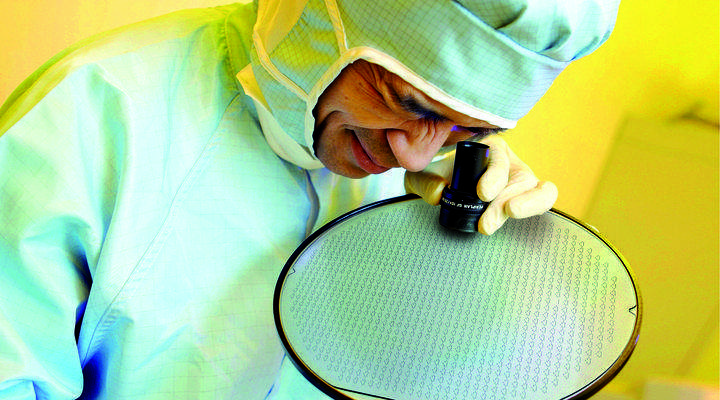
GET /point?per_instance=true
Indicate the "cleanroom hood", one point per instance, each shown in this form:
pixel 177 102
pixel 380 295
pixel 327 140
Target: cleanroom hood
pixel 491 59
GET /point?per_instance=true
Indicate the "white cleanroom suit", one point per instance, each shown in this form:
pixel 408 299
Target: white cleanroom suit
pixel 155 178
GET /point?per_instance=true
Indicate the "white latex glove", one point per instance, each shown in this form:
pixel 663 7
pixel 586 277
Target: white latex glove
pixel 509 185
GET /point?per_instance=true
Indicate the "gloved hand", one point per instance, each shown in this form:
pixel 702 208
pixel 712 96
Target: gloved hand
pixel 509 185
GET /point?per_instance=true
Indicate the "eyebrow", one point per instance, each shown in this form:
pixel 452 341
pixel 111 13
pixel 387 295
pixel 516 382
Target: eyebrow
pixel 482 131
pixel 411 105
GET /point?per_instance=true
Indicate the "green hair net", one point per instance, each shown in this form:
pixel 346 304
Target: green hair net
pixel 490 59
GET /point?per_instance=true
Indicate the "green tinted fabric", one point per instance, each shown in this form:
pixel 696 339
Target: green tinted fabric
pixel 489 59
pixel 144 219
pixel 144 216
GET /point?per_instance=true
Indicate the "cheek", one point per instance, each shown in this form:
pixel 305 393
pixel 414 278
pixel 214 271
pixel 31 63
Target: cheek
pixel 329 144
pixel 327 131
pixel 422 133
pixel 333 148
pixel 457 135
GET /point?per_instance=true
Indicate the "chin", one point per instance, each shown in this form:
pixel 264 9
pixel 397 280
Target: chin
pixel 349 173
pixel 339 167
pixel 344 170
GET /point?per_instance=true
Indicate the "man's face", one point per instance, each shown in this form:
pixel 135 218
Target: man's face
pixel 370 120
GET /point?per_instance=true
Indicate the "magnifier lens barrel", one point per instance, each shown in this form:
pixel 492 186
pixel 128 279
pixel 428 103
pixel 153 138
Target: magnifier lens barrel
pixel 460 206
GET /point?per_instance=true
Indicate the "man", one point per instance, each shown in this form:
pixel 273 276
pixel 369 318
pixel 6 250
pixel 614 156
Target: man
pixel 154 179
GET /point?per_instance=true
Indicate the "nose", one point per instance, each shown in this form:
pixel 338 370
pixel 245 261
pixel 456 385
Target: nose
pixel 412 151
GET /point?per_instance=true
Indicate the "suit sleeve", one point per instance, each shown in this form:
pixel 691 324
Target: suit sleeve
pixel 58 172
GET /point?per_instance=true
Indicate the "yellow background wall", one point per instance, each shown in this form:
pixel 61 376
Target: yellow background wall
pixel 660 63
pixel 33 31
pixel 661 59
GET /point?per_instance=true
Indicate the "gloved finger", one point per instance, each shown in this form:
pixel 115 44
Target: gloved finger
pixel 533 202
pixel 492 222
pixel 426 184
pixel 495 178
pixel 430 182
pixel 496 213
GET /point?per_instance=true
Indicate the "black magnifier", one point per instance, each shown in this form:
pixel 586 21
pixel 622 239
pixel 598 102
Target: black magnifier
pixel 384 303
pixel 460 206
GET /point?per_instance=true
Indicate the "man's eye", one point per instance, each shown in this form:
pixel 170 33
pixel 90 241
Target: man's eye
pixel 433 117
pixel 411 105
pixel 477 132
